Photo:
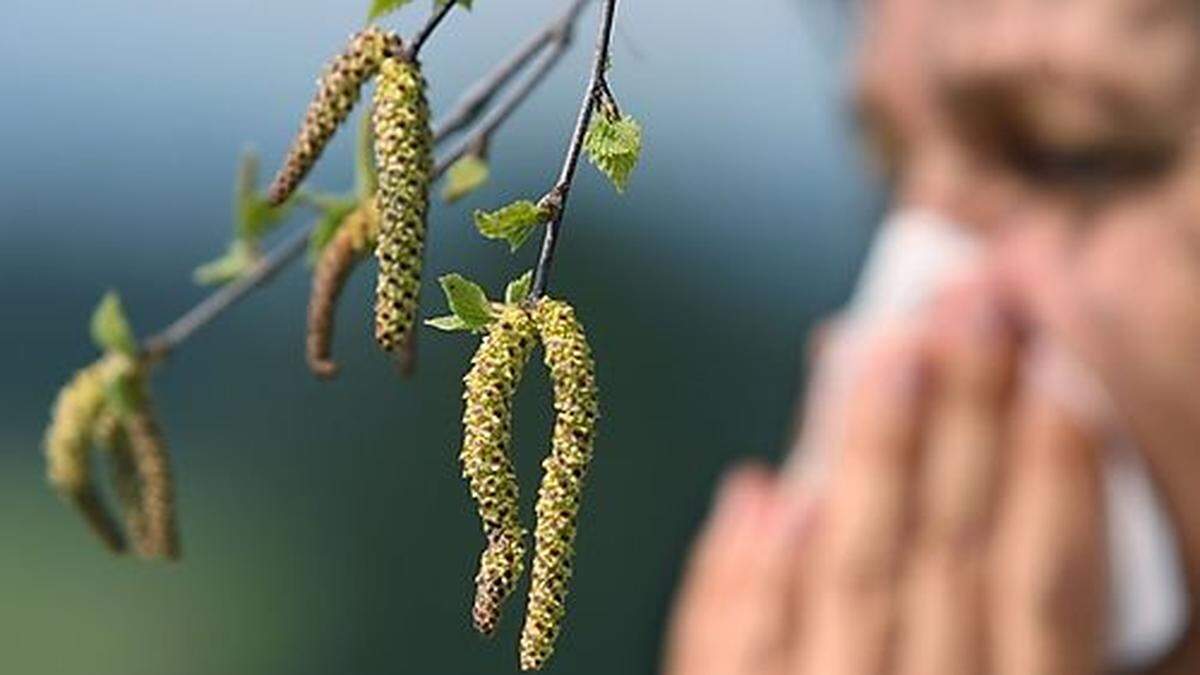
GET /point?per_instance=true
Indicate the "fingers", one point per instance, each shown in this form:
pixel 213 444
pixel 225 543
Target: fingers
pixel 712 580
pixel 1048 583
pixel 944 626
pixel 850 614
pixel 1128 302
pixel 732 614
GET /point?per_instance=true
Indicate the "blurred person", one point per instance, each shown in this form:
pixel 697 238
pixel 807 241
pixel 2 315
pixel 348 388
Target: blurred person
pixel 1097 89
pixel 1109 128
pixel 1101 101
pixel 919 556
pixel 965 174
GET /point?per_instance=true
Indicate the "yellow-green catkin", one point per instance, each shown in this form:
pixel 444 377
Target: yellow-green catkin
pixel 110 435
pixel 487 463
pixel 572 373
pixel 355 236
pixel 68 439
pixel 404 162
pixel 159 537
pixel 337 92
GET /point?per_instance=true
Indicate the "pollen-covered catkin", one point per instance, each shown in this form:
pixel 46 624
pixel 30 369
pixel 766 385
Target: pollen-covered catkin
pixel 337 92
pixel 354 238
pixel 572 373
pixel 404 162
pixel 68 439
pixel 160 534
pixel 486 461
pixel 110 434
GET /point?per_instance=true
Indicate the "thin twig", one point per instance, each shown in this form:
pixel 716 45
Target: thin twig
pixel 162 343
pixel 431 25
pixel 556 199
pixel 497 116
pixel 475 98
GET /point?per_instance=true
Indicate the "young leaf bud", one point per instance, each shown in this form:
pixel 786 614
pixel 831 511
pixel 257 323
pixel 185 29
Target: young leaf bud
pixel 572 373
pixel 404 162
pixel 337 92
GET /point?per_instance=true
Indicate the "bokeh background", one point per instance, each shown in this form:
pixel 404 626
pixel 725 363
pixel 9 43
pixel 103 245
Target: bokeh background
pixel 326 527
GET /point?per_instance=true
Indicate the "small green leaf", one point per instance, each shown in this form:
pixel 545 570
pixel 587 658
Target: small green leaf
pixel 512 223
pixel 464 177
pixel 333 213
pixel 110 329
pixel 230 266
pixel 448 323
pixel 518 289
pixel 247 178
pixel 256 218
pixel 468 301
pixel 381 7
pixel 613 145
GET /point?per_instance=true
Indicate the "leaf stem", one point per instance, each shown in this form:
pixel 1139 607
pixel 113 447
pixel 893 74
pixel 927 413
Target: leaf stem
pixel 161 344
pixel 557 197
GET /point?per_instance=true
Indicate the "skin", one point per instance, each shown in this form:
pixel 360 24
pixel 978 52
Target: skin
pixel 1109 84
pixel 1109 268
pixel 931 164
pixel 1137 324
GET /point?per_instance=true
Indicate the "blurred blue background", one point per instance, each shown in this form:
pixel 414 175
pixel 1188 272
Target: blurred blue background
pixel 326 528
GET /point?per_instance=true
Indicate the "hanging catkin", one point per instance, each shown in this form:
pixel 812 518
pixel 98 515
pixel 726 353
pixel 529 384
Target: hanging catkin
pixel 68 439
pixel 354 238
pixel 160 535
pixel 130 433
pixel 486 461
pixel 337 92
pixel 110 435
pixel 572 373
pixel 404 162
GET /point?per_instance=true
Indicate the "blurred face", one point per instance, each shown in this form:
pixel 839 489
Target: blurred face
pixel 1072 82
pixel 895 100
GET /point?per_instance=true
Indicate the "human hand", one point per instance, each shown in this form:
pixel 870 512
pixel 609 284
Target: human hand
pixel 959 531
pixel 1124 293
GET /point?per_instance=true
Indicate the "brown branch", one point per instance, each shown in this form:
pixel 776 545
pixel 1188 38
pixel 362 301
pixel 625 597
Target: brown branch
pixel 556 199
pixel 160 345
pixel 478 95
pixel 481 134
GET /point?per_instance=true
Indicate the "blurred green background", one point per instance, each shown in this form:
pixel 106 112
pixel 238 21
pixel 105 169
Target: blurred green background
pixel 326 528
